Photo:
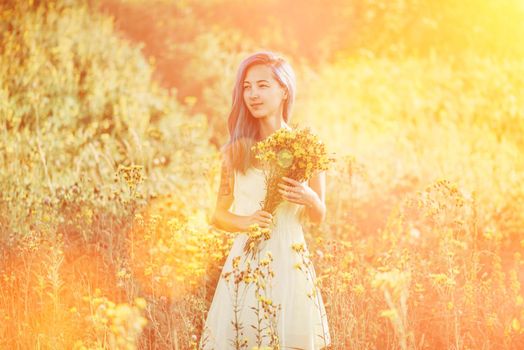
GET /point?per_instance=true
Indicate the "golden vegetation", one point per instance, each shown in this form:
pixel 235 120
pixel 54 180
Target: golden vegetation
pixel 107 181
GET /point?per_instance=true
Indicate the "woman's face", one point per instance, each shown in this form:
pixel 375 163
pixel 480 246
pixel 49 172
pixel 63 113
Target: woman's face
pixel 263 95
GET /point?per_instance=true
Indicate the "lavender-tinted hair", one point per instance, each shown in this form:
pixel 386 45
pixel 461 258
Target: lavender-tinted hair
pixel 243 127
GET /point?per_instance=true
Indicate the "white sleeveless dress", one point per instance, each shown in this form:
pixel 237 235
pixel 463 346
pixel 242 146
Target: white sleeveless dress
pixel 301 321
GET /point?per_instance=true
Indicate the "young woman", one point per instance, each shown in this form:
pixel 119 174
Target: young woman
pixel 285 308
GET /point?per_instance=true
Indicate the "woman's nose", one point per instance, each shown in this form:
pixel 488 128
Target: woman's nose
pixel 253 93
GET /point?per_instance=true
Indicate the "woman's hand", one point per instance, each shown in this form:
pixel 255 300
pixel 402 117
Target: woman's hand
pixel 260 217
pixel 296 192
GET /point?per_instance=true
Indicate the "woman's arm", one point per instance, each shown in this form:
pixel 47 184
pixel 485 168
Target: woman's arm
pixel 316 207
pixel 223 218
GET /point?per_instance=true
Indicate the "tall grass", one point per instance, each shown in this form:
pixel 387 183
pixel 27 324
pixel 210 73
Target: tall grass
pixel 108 183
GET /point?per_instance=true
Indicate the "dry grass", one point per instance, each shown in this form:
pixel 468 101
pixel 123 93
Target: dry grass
pixel 105 198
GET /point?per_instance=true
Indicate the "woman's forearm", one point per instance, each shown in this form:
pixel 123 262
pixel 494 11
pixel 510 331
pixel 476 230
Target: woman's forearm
pixel 316 210
pixel 228 221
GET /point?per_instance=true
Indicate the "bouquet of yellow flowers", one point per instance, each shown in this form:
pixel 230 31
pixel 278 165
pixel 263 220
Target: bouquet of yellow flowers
pixel 295 154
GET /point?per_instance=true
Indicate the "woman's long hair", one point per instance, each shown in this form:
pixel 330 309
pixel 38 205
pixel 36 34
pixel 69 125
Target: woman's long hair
pixel 243 127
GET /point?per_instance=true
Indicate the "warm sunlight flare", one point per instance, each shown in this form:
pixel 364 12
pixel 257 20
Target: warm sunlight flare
pixel 119 225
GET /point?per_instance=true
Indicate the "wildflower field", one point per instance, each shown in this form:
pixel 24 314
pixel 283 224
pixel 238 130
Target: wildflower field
pixel 111 115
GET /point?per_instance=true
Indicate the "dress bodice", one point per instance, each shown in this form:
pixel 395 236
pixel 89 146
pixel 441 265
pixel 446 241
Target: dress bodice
pixel 249 193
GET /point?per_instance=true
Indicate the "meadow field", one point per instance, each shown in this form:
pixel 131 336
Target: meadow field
pixel 111 116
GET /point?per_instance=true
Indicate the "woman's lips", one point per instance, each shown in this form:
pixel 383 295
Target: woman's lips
pixel 255 105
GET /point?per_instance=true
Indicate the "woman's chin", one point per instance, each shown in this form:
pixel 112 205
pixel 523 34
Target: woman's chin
pixel 258 115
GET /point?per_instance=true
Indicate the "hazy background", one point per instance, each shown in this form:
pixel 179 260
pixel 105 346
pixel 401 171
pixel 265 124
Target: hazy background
pixel 111 113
